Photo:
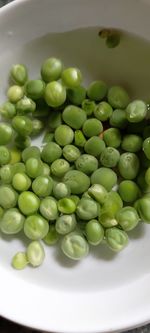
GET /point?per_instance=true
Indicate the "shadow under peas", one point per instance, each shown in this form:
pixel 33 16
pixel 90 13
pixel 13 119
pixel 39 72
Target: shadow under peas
pixel 63 260
pixel 138 232
pixel 20 236
pixel 102 252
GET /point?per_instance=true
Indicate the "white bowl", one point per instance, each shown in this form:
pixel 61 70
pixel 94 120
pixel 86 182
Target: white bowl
pixel 104 292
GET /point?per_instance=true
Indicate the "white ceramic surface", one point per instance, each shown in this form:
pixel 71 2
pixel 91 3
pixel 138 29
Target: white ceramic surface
pixel 105 292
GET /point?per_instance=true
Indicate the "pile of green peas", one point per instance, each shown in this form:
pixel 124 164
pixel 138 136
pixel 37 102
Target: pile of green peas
pixel 89 182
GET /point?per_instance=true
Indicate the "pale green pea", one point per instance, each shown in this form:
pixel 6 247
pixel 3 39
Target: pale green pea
pixel 52 236
pixel 12 221
pixel 74 246
pixel 98 193
pixel 49 209
pixel 65 224
pixel 15 93
pixel 116 239
pixel 127 218
pixel 87 209
pixel 36 227
pixel 35 253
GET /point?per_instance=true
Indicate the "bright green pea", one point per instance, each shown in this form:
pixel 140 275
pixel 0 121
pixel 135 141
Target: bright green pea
pixel 129 165
pixel 15 93
pixel 35 89
pixel 146 147
pixel 28 203
pixel 55 94
pixel 35 253
pixel 48 208
pixel 88 106
pixel 75 246
pixel 5 155
pixel 103 111
pixel 117 97
pixel 54 120
pixel 61 190
pixel 142 207
pixel 51 69
pixel 71 77
pixel 87 209
pixel 21 182
pixel 128 218
pixel 36 227
pixel 60 167
pixel 92 127
pixel 25 105
pixel 71 153
pixel 52 236
pixel 109 157
pixel 22 142
pixel 19 260
pixel 6 134
pixel 77 181
pixel 87 164
pixel 136 111
pixel 66 206
pixel 98 193
pixel 76 95
pixel 45 170
pixel 105 177
pixel 51 152
pixel 33 167
pixel 94 146
pixel 74 116
pixel 118 119
pixel 129 191
pixel 8 197
pixel 116 239
pixel 64 135
pixel 22 125
pixel 94 232
pixel 42 186
pixel 132 143
pixel 19 74
pixel 79 138
pixel 112 137
pixel 30 152
pixel 12 221
pixel 8 110
pixel 65 224
pixel 97 90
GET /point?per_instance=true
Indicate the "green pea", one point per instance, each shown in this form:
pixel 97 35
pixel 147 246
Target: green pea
pixel 36 227
pixel 79 138
pixel 8 110
pixel 6 174
pixel 109 157
pixel 76 95
pixel 94 232
pixel 117 97
pixel 30 152
pixel 112 204
pixel 54 120
pixel 12 221
pixel 94 146
pixel 132 143
pixel 5 155
pixel 129 191
pixel 118 119
pixel 48 208
pixel 87 209
pixel 6 134
pixel 61 190
pixel 65 224
pixel 103 111
pixel 15 155
pixel 52 236
pixel 8 197
pixel 105 177
pixel 142 207
pixel 45 170
pixel 71 77
pixel 38 127
pixel 112 137
pixel 51 69
pixel 35 253
pixel 129 165
pixel 66 206
pixel 35 89
pixel 88 106
pixel 75 198
pixel 97 90
pixel 19 74
pixel 136 111
pixel 18 168
pixel 71 153
pixel 116 239
pixel 60 167
pixel 74 116
pixel 19 260
pixel 22 142
pixel 144 187
pixel 77 181
pixel 21 182
pixel 28 203
pixel 33 167
pixel 22 125
pixel 98 193
pixel 64 135
pixel 51 152
pixel 146 147
pixel 107 220
pixel 15 93
pixel 55 94
pixel 128 218
pixel 86 163
pixel 42 186
pixel 25 105
pixel 74 246
pixel 48 137
pixel 92 127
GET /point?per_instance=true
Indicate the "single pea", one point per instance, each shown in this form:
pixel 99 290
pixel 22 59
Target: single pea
pixel 116 239
pixel 42 186
pixel 87 164
pixel 103 111
pixel 18 168
pixel 49 209
pixel 94 146
pixel 36 227
pixel 76 95
pixel 136 111
pixel 61 190
pixel 71 77
pixel 15 93
pixel 98 193
pixel 60 167
pixel 118 119
pixel 48 137
pixel 75 198
pixel 21 182
pixel 55 94
pixel 146 147
pixel 142 207
pixel 22 142
pixel 107 219
pixel 35 89
pixel 30 152
pixel 25 105
pixel 19 74
pixel 64 135
pixel 129 165
pixel 22 125
pixel 6 174
pixel 35 253
pixel 51 152
pixel 33 167
pixel 88 106
pixel 8 197
pixel 129 190
pixel 19 260
pixel 87 209
pixel 66 206
pixel 113 40
pixel 65 224
pixel 74 246
pixel 79 138
pixel 97 90
pixel 15 155
pixel 105 177
pixel 6 134
pixel 112 137
pixel 146 132
pixel 12 221
pixel 112 204
pixel 51 69
pixel 28 203
pixel 131 143
pixel 77 181
pixel 128 218
pixel 5 155
pixel 1 212
pixel 71 153
pixel 8 110
pixel 109 157
pixel 52 236
pixel 118 98
pixel 144 187
pixel 94 232
pixel 136 128
pixel 74 116
pixel 92 127
pixel 45 170
pixel 54 120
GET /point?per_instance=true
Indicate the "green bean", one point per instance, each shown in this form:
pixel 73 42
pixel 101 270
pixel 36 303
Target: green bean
pixel 12 221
